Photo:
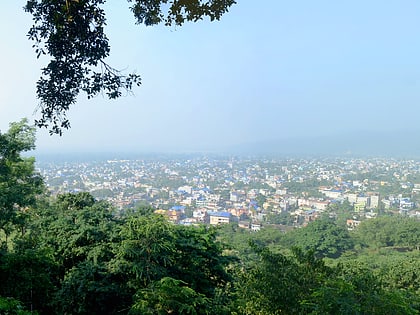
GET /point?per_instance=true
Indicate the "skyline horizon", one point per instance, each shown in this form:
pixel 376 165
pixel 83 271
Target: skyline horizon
pixel 376 144
pixel 298 71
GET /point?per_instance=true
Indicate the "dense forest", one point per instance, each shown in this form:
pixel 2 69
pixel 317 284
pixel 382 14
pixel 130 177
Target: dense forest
pixel 73 254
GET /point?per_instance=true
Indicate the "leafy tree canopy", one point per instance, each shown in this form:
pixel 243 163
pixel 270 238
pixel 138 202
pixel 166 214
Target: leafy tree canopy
pixel 19 183
pixel 72 33
pixel 12 306
pixel 390 231
pixel 302 284
pixel 76 228
pixel 324 236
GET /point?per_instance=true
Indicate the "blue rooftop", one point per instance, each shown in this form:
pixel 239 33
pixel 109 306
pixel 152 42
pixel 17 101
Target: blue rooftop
pixel 220 214
pixel 178 208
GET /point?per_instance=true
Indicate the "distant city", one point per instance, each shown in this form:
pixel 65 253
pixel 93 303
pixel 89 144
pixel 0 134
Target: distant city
pixel 251 191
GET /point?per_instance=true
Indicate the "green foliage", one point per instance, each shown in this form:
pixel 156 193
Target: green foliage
pixel 19 183
pixel 276 283
pixel 337 296
pixel 11 306
pixel 302 284
pixel 90 288
pixel 68 202
pixel 146 249
pixel 327 238
pixel 283 218
pixel 390 231
pixel 72 33
pixel 168 296
pixel 151 12
pixel 366 290
pixel 76 228
pixel 309 186
pixel 402 273
pixel 152 248
pixel 343 211
pixel 239 238
pixel 189 259
pixel 199 260
pixel 28 276
pixel 74 255
pixel 144 209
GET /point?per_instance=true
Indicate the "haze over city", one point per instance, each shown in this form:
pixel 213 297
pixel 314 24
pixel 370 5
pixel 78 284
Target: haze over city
pixel 273 74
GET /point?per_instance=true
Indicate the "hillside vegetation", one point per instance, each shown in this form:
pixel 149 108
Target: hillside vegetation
pixel 73 254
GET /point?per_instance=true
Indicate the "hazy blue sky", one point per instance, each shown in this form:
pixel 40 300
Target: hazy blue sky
pixel 268 70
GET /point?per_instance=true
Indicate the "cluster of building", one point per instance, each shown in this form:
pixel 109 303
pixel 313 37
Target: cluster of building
pixel 251 191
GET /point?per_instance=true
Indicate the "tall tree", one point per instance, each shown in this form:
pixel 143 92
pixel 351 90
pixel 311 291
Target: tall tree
pixel 390 231
pixel 303 284
pixel 72 33
pixel 160 260
pixel 30 276
pixel 78 234
pixel 327 238
pixel 276 283
pixel 19 183
pixel 76 228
